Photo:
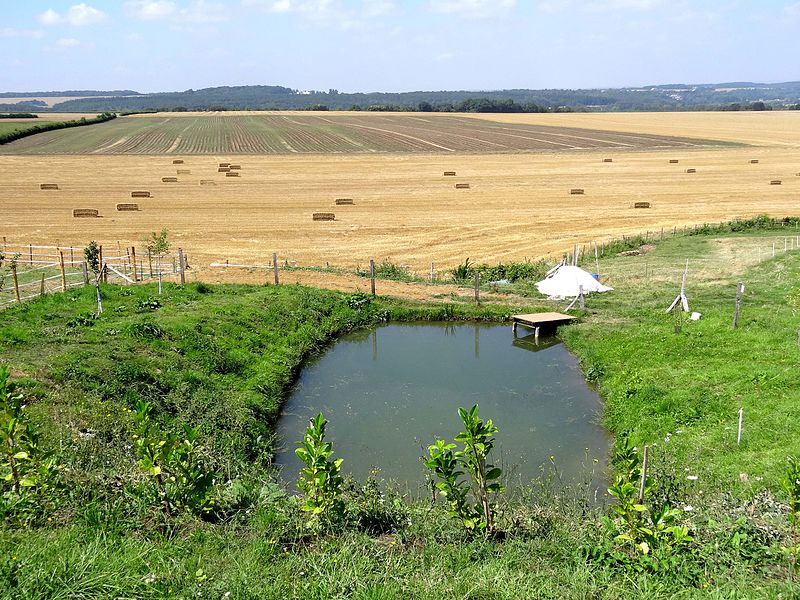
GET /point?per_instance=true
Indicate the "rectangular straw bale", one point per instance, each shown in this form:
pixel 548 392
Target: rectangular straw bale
pixel 169 179
pixel 691 170
pixel 225 165
pixel 184 172
pixel 576 191
pixel 673 161
pixel 641 205
pixel 177 161
pixel 323 216
pixel 141 194
pixel 48 186
pixel 85 213
pixel 775 182
pixel 753 161
pixel 223 170
pixel 608 160
pixel 235 167
pixel 449 173
pixel 231 174
pixel 462 186
pixel 343 201
pixel 207 182
pixel 130 206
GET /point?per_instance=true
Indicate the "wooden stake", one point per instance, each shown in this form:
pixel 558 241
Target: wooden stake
pixel 180 266
pixel 30 253
pixel 739 292
pixel 63 272
pixel 643 481
pixel 100 262
pixel 133 263
pixel 433 271
pixel 16 282
pixel 372 276
pixel 739 435
pixel 275 266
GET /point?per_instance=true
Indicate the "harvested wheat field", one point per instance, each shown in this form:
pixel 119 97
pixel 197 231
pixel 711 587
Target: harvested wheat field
pixel 518 206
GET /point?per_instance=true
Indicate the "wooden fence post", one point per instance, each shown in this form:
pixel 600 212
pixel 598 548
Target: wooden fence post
pixel 739 292
pixel 133 263
pixel 150 262
pixel 372 276
pixel 477 288
pixel 63 272
pixel 30 253
pixel 433 271
pixel 275 266
pixel 16 282
pixel 180 266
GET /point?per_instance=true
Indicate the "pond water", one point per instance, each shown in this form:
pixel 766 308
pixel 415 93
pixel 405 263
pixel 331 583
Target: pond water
pixel 392 391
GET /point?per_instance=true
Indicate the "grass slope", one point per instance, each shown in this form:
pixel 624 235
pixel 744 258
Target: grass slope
pixel 222 357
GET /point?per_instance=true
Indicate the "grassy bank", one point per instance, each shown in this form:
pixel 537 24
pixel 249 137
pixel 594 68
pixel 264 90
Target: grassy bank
pixel 222 357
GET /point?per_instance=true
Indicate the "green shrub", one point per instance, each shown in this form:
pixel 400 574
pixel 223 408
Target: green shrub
pixel 320 479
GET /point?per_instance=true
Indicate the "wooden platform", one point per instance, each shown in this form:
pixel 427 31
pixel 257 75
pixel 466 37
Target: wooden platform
pixel 545 318
pixel 544 321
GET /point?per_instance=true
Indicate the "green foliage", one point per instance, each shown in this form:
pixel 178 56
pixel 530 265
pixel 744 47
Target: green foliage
pixel 358 300
pixel 320 479
pixel 791 485
pixel 148 304
pixel 157 244
pixel 463 273
pixel 86 319
pixel 174 465
pixel 91 255
pixel 389 270
pixel 450 465
pixel 29 130
pixel 649 533
pixel 28 473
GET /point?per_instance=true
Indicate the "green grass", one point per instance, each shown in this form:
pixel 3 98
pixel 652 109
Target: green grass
pixel 223 357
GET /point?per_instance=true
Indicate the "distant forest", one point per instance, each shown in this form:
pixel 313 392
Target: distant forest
pixel 675 97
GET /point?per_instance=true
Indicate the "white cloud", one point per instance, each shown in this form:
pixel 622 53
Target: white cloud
pixel 77 15
pixel 605 5
pixel 376 8
pixel 9 32
pixel 68 43
pixel 149 10
pixel 472 8
pixel 328 12
pixel 203 11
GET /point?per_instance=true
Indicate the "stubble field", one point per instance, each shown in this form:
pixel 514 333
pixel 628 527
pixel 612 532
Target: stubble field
pixel 518 204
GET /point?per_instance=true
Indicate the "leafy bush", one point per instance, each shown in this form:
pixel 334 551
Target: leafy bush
pixel 148 304
pixel 28 473
pixel 791 485
pixel 82 320
pixel 320 479
pixel 181 480
pixel 446 464
pixel 650 534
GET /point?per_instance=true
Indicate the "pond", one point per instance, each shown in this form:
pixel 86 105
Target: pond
pixel 392 391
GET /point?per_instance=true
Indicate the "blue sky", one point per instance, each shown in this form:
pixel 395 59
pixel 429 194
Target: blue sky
pixel 390 45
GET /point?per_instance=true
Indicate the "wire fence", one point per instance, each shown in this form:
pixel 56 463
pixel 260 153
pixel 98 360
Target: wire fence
pixel 29 271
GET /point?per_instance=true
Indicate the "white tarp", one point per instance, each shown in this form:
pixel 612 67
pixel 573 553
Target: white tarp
pixel 566 281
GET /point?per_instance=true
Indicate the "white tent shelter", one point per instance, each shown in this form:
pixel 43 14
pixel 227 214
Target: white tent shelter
pixel 566 282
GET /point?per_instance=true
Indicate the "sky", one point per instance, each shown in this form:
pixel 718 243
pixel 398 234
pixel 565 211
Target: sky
pixel 391 45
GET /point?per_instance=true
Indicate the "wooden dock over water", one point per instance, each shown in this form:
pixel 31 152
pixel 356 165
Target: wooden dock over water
pixel 540 321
